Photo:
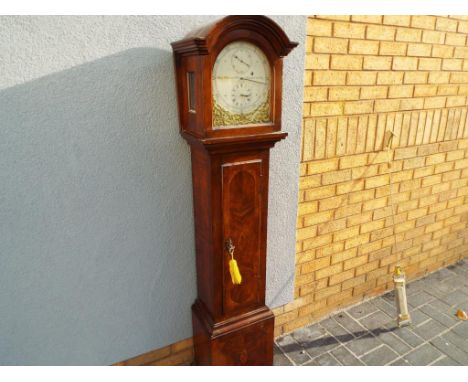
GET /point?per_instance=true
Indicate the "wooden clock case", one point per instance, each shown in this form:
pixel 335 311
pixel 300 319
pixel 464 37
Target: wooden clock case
pixel 231 324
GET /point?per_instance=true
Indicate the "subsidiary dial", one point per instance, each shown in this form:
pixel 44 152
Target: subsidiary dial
pixel 242 95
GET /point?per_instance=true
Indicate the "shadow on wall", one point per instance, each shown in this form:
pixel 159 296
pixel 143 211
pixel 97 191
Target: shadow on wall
pixel 96 224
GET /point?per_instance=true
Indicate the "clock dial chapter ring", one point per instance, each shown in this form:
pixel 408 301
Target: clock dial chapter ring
pixel 242 95
pixel 241 84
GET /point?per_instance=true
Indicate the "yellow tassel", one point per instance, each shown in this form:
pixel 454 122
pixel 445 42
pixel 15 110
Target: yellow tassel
pixel 235 273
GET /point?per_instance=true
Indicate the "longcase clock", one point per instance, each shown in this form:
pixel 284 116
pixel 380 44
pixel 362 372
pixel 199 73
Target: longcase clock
pixel 229 82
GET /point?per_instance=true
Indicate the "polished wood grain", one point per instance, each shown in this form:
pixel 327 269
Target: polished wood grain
pixel 230 169
pixel 242 207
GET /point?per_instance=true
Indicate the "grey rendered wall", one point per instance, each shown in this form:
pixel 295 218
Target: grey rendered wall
pixel 96 229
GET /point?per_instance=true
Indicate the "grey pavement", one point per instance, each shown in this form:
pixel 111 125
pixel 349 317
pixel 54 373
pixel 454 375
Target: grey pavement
pixel 367 334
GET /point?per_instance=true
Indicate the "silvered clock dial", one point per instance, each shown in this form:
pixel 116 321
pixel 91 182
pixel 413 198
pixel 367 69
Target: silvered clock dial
pixel 241 86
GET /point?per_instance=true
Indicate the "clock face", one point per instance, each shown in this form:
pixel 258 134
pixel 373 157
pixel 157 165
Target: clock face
pixel 241 86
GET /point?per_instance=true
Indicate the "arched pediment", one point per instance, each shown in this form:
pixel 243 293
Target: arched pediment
pixel 201 41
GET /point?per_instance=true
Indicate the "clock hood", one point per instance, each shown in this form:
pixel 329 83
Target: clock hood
pixel 201 41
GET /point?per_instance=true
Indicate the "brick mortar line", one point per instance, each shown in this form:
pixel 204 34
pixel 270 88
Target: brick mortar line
pixel 429 109
pixel 387 112
pixel 388 85
pixel 372 152
pixel 362 176
pixel 414 246
pixel 358 203
pixel 458 20
pixel 377 71
pixel 377 55
pixel 407 43
pixel 394 40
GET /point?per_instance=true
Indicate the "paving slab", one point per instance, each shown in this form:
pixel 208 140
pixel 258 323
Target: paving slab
pixel 439 290
pixel 456 282
pixel 308 334
pixel 324 360
pixel 446 347
pixel 368 333
pixel 456 297
pixel 380 356
pixel 336 330
pixel 429 329
pixel 406 335
pixel 294 351
pixel 394 342
pixel 389 297
pixel 440 317
pixel 345 357
pixel 400 362
pixel 384 306
pixel 349 324
pixel 441 306
pixel 415 287
pixel 440 275
pixel 418 317
pixel 364 344
pixel 362 310
pixel 320 345
pixel 458 341
pixel 423 355
pixel 445 361
pixel 461 330
pixel 279 359
pixel 420 299
pixel 460 271
pixel 376 322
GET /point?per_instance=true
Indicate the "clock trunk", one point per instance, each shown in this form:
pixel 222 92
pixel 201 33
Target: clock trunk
pixel 231 204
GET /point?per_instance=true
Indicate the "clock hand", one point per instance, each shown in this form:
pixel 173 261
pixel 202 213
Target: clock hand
pixel 245 63
pixel 234 78
pixel 249 79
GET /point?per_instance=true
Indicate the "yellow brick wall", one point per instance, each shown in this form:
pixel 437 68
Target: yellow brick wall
pixel 177 354
pixel 358 217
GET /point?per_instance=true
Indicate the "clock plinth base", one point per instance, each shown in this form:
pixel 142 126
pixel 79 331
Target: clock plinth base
pixel 245 340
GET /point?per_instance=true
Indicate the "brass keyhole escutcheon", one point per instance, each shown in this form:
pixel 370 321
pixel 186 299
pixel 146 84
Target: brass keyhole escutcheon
pixel 229 247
